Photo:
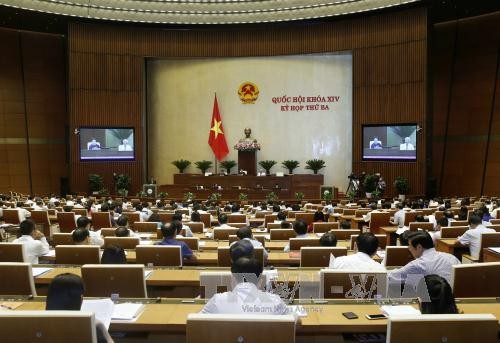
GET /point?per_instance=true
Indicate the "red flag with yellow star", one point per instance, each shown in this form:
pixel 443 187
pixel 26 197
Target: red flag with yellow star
pixel 216 137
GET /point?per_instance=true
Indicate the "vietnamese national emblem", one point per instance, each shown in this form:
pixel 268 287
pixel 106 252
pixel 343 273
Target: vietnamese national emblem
pixel 248 92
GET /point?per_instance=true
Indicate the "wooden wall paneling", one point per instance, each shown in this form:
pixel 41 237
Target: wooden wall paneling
pixel 389 61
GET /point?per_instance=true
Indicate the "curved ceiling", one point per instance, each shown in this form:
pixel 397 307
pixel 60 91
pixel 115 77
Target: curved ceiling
pixel 202 11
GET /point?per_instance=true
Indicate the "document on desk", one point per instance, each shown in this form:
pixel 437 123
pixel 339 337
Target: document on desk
pixel 102 308
pixel 51 253
pixel 147 273
pixel 497 250
pixel 399 310
pixel 297 310
pixel 145 242
pixel 39 271
pixel 126 311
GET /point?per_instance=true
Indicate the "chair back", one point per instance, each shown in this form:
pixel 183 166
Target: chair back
pixel 344 235
pixel 260 238
pixel 379 219
pixel 361 212
pixel 319 256
pixel 476 280
pixel 77 254
pixel 349 211
pixel 159 255
pixel 262 214
pixel 215 282
pixel 282 234
pixel 62 239
pixel 166 217
pixel 297 243
pixel 223 234
pixel 12 252
pixel 16 278
pixel 122 242
pixel 192 242
pixel 489 240
pixel 11 216
pixel 397 256
pixel 352 284
pixel 133 217
pixel 414 226
pixel 196 227
pixel 66 221
pixel 100 220
pixel 236 218
pixel 459 223
pixel 205 219
pixel 48 326
pixel 270 226
pixel 108 231
pixel 80 211
pixel 495 221
pixel 207 328
pixel 269 218
pixel 224 257
pixel 410 217
pixel 453 231
pixel 382 241
pixel 442 328
pixel 41 217
pixel 126 280
pixel 308 217
pixel 146 226
pixel 325 227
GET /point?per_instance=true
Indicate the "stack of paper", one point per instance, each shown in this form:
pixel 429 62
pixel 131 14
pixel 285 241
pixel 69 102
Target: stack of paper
pixel 399 310
pixel 39 271
pixel 102 308
pixel 126 311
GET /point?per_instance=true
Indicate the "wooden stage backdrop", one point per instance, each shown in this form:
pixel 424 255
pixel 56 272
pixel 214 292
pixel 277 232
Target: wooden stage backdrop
pixel 107 86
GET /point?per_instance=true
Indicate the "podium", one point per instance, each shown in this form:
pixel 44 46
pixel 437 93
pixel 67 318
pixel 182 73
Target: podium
pixel 247 160
pixel 150 190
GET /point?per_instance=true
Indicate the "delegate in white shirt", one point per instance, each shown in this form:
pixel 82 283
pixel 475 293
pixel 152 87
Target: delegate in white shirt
pixel 358 261
pixel 472 239
pixel 245 298
pixel 33 247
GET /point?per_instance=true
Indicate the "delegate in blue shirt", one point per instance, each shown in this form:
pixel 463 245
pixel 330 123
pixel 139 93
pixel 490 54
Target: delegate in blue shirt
pixel 185 250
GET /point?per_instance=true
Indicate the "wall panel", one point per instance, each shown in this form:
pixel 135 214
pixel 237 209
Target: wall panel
pixel 389 82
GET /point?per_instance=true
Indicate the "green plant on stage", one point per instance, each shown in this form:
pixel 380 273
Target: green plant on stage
pixel 271 197
pixel 299 195
pixel 203 165
pixel 215 197
pixel 351 195
pixel 123 184
pixel 290 165
pixel 228 165
pixel 267 165
pixel 141 194
pixel 162 195
pixel 181 164
pixel 402 186
pixel 243 196
pixel 376 194
pixel 103 191
pixel 315 165
pixel 95 183
pixel 189 196
pixel 370 183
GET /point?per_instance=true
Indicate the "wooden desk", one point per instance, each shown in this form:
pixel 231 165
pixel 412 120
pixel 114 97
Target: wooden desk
pixel 360 222
pixel 490 255
pixel 390 233
pixel 451 246
pixel 167 320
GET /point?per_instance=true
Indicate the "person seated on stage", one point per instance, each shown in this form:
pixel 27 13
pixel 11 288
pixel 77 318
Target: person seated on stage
pixel 125 146
pixel 93 145
pixel 427 261
pixel 94 238
pixel 345 225
pixel 113 254
pixel 328 240
pixel 441 296
pixel 246 297
pixel 366 246
pixel 186 230
pixel 65 293
pixel 472 237
pixel 34 241
pixel 81 236
pixel 169 232
pixel 406 145
pixel 376 144
pixel 245 233
pixel 300 228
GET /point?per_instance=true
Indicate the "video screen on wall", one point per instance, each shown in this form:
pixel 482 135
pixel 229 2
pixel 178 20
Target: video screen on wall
pixel 390 142
pixel 106 143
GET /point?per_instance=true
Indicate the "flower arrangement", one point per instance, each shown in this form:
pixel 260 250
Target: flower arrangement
pixel 247 146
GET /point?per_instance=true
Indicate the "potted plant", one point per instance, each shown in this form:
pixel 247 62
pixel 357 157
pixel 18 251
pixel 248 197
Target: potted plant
pixel 290 165
pixel 103 191
pixel 141 194
pixel 315 165
pixel 188 196
pixel 123 184
pixel 95 183
pixel 271 197
pixel 181 164
pixel 299 196
pixel 267 165
pixel 215 197
pixel 370 184
pixel 243 197
pixel 401 184
pixel 376 194
pixel 228 165
pixel 203 165
pixel 162 195
pixel 351 195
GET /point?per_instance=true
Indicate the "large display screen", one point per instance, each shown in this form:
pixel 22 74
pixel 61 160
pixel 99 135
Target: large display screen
pixel 106 143
pixel 390 142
